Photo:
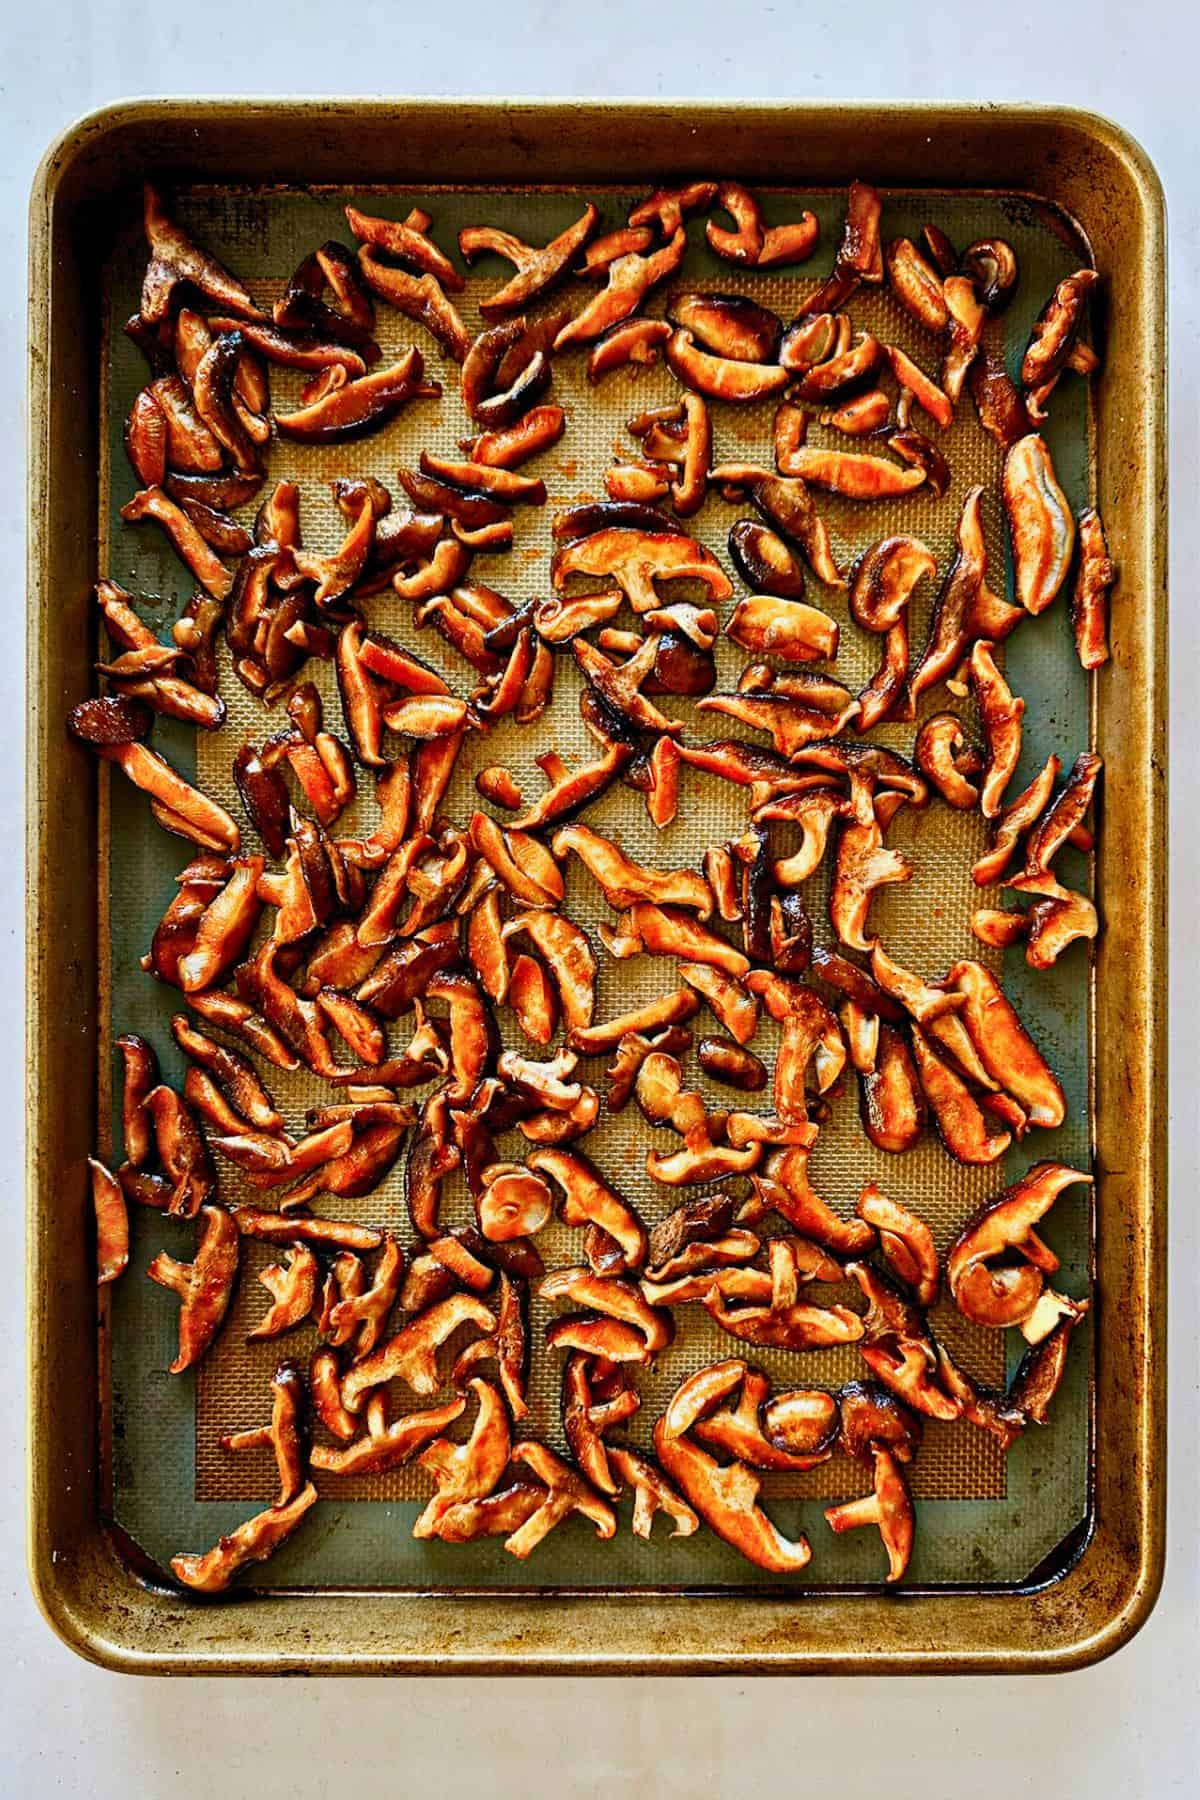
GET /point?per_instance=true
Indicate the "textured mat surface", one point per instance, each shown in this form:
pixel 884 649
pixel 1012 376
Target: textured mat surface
pixel 985 1519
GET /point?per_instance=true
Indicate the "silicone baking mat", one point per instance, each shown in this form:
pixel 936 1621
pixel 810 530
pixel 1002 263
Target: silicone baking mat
pixel 983 1519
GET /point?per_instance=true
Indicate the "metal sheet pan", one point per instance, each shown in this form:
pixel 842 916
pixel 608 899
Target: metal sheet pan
pixel 1079 165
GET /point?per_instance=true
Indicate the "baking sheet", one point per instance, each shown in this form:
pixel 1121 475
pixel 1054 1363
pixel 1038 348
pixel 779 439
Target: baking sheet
pixel 982 1521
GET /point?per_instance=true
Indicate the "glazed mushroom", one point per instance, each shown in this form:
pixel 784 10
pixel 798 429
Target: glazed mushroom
pixel 898 1349
pixel 204 1287
pixel 1005 1048
pixel 789 629
pixel 965 607
pixel 740 1431
pixel 624 882
pixel 175 259
pixel 253 1541
pixel 1095 575
pixel 613 1299
pixel 668 931
pixel 636 559
pixel 889 1507
pixel 961 1123
pixel 652 1493
pixel 566 1492
pixel 1053 340
pixel 905 1242
pixel 943 753
pixel 869 1414
pixel 881 590
pixel 1007 1294
pixel 285 1434
pixel 507 1346
pixel 730 325
pixel 385 1446
pixel 293 1291
pixel 588 1200
pixel 1063 820
pixel 722 377
pixel 727 1500
pixel 410 1355
pixel 863 864
pixel 1040 523
pixel 112 1223
pixel 915 284
pixel 537 269
pixel 753 243
pixel 113 729
pixel 470 1470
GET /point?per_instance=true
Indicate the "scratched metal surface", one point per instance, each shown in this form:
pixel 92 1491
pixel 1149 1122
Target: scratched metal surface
pixel 982 1519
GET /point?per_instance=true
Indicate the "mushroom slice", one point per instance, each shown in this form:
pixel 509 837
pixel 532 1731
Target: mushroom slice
pixel 668 931
pixel 408 241
pixel 869 1414
pixel 566 1492
pixel 1055 920
pixel 629 279
pixel 1094 576
pixel 652 1493
pixel 293 1290
pixel 636 559
pixel 175 259
pixel 522 864
pixel 963 333
pixel 181 1151
pixel 1041 525
pixel 537 268
pixel 637 341
pixel 764 561
pixel 852 474
pixel 915 284
pixel 237 1077
pixel 205 565
pixel 284 1435
pixel 736 1010
pixel 324 1386
pixel 730 325
pixel 885 579
pixel 470 1470
pixel 1001 716
pixel 1053 338
pixel 112 1223
pixel 722 377
pixel 285 1228
pixel 943 753
pixel 811 707
pixel 789 629
pixel 739 1432
pixel 863 864
pixel 359 407
pixel 981 1406
pixel 588 1200
pixel 410 1355
pixel 1003 1227
pixel 786 503
pixel 568 954
pixel 366 1313
pixel 254 1541
pixel 905 1242
pixel 420 298
pixel 224 928
pixel 204 1286
pixel 936 1010
pixel 588 1415
pixel 961 1124
pixel 889 1507
pixel 726 1499
pixel 898 1348
pixel 140 1078
pixel 1012 821
pixel 732 1064
pixel 507 1346
pixel 669 1009
pixel 358 1170
pixel 387 1446
pixel 810 1036
pixel 891 1100
pixel 624 882
pixel 1007 1051
pixel 962 605
pixel 785 1187
pixel 1041 1370
pixel 1065 817
pixel 570 790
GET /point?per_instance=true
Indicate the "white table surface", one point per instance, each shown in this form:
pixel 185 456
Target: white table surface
pixel 1125 1728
